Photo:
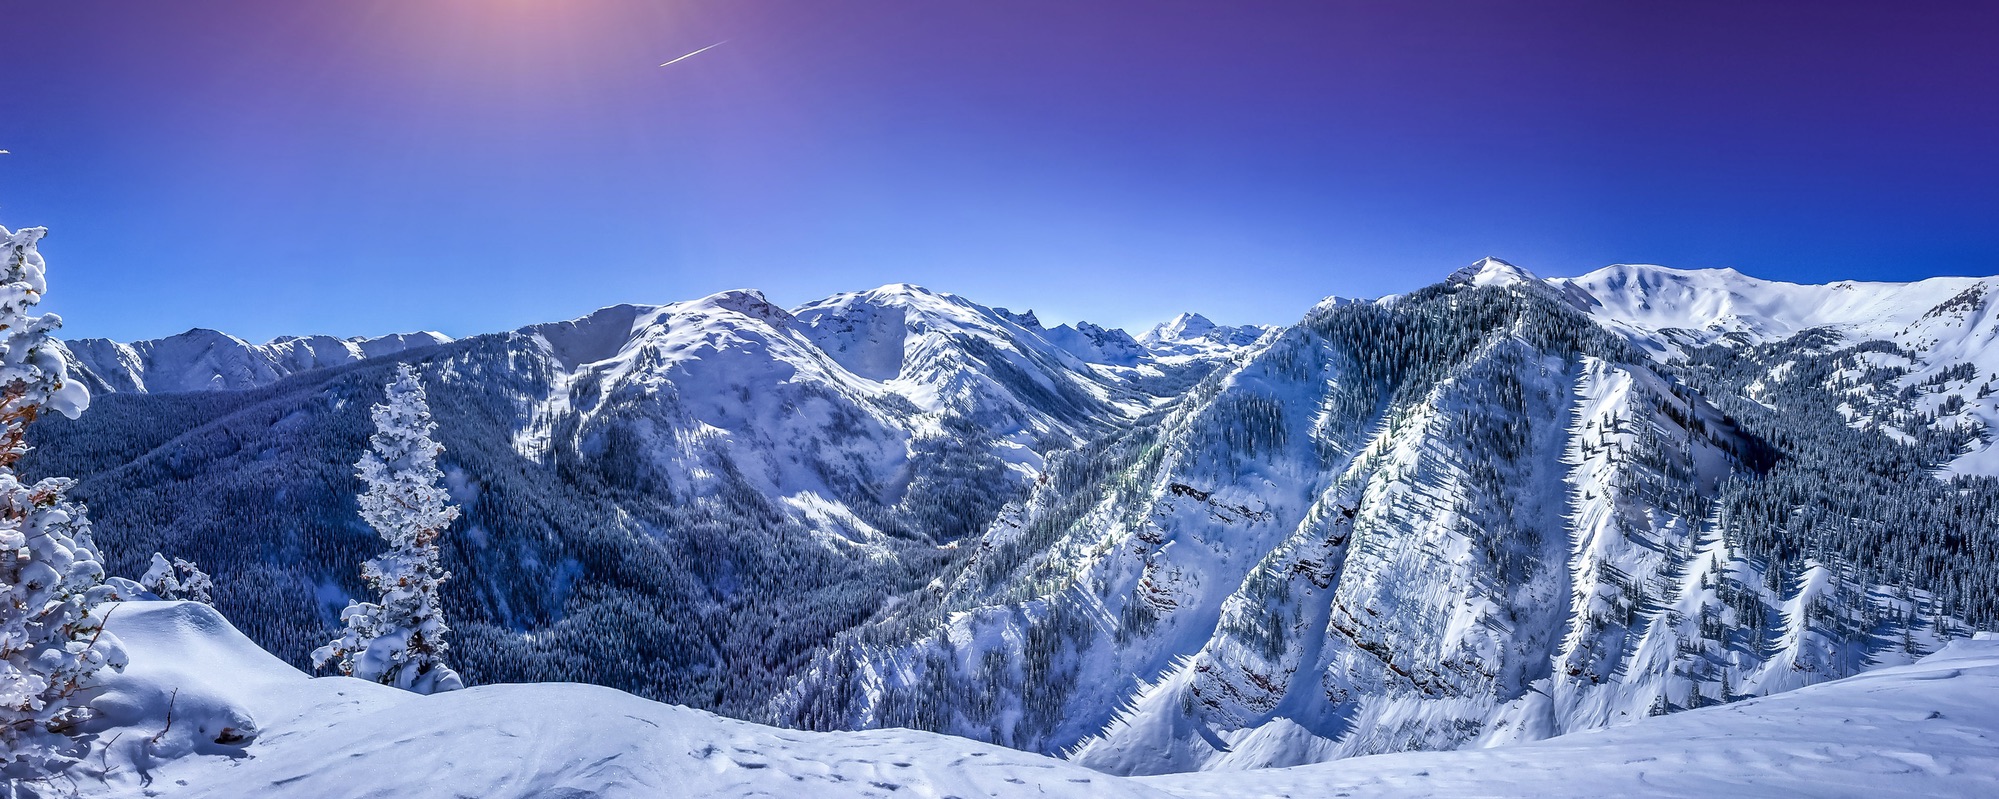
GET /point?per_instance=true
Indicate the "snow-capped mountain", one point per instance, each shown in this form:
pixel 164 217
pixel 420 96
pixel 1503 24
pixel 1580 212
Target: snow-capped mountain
pixel 206 360
pixel 1193 334
pixel 1707 304
pixel 1460 517
pixel 1933 367
pixel 792 470
pixel 1092 343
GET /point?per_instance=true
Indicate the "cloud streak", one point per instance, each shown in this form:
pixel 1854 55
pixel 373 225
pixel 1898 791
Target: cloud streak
pixel 695 53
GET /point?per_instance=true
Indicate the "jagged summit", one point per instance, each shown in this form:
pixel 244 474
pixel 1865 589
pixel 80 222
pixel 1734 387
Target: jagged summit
pixel 1181 328
pixel 1097 344
pixel 1025 319
pixel 748 302
pixel 1194 334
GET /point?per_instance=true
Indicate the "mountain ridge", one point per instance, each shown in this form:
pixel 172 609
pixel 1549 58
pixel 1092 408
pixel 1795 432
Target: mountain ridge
pixel 202 359
pixel 1465 515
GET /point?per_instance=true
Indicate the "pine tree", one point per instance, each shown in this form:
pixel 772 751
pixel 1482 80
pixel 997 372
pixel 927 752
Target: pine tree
pixel 400 641
pixel 52 641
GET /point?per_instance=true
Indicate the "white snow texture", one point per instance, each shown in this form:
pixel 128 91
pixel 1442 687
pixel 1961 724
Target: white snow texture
pixel 52 643
pixel 245 724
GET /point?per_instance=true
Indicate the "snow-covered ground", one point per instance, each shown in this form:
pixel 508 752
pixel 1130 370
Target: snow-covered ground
pixel 245 724
pixel 295 737
pixel 1930 729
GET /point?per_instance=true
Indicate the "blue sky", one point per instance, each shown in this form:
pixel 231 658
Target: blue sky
pixel 367 166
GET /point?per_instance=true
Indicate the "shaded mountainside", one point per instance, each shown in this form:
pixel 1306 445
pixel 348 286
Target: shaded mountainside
pixel 1464 516
pixel 682 501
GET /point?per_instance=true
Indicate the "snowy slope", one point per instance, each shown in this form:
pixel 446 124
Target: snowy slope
pixel 823 408
pixel 1462 518
pixel 245 724
pixel 820 408
pixel 1943 330
pixel 1922 730
pixel 1710 303
pixel 937 348
pixel 287 735
pixel 206 360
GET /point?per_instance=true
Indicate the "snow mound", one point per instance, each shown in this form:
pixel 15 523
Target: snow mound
pixel 299 737
pixel 245 724
pixel 196 667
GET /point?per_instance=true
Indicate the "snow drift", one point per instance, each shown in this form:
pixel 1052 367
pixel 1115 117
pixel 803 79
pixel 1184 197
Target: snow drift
pixel 245 724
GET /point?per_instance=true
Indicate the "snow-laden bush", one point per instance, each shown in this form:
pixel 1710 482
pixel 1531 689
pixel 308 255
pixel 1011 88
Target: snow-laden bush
pixel 178 579
pixel 400 641
pixel 51 580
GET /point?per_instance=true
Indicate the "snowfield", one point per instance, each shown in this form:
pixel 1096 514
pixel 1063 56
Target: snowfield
pixel 307 738
pixel 1927 729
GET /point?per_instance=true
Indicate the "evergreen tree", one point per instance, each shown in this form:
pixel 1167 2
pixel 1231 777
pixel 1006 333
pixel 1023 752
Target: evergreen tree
pixel 52 641
pixel 400 641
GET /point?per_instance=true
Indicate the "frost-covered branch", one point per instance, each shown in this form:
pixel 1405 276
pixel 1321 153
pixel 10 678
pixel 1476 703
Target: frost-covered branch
pixel 52 642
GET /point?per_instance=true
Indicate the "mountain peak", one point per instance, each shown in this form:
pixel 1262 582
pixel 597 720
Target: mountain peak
pixel 1490 271
pixel 1182 327
pixel 905 290
pixel 1025 319
pixel 748 302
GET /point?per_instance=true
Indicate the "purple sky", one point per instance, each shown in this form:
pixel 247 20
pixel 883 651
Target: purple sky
pixel 367 166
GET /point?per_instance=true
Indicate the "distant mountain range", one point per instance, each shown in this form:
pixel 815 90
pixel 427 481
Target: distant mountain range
pixel 209 360
pixel 1495 509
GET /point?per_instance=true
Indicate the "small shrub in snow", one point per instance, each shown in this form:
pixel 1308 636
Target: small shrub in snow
pixel 51 582
pixel 400 641
pixel 179 579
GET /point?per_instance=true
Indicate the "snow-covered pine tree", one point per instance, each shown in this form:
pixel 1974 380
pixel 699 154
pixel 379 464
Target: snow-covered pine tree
pixel 400 641
pixel 179 579
pixel 52 640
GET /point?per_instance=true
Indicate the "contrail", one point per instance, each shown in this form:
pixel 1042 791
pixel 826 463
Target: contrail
pixel 695 53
